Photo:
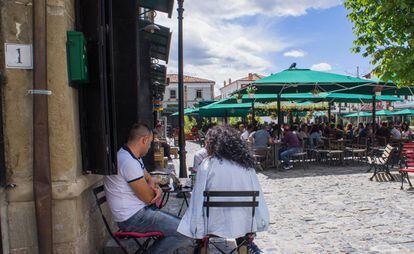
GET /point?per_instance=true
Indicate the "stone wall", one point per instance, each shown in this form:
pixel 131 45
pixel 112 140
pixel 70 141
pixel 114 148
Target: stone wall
pixel 77 226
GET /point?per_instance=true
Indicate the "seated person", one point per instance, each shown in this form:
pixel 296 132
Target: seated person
pixel 293 146
pixel 395 133
pixel 159 134
pixel 199 157
pixel 262 138
pixel 131 194
pixel 228 167
pixel 315 137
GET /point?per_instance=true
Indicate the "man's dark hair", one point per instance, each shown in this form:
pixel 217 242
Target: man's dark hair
pixel 139 130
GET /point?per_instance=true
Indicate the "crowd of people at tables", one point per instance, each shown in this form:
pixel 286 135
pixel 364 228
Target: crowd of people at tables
pixel 293 136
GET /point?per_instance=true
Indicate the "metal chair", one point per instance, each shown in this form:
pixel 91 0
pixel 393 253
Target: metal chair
pixel 148 237
pixel 208 204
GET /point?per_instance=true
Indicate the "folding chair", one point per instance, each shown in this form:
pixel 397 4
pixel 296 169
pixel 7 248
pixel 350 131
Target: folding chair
pixel 204 243
pixel 381 163
pixel 148 237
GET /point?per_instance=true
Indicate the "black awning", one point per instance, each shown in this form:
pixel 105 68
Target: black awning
pixel 159 41
pixel 158 5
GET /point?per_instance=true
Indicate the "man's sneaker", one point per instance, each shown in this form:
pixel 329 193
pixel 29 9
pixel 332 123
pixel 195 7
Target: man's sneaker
pixel 252 248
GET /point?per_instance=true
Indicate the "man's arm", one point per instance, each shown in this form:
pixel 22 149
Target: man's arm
pixel 144 191
pixel 149 179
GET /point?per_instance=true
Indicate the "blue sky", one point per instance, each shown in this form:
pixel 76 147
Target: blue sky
pixel 263 36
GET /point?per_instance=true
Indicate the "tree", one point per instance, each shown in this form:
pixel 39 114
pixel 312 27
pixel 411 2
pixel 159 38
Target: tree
pixel 385 32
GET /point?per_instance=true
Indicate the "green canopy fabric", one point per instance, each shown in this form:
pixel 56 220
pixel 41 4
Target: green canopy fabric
pixel 225 110
pixel 369 114
pixel 384 113
pixel 404 112
pixel 305 80
pixel 332 97
pixel 360 114
pixel 188 111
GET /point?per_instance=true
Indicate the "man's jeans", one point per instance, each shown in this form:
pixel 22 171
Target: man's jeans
pixel 152 219
pixel 284 156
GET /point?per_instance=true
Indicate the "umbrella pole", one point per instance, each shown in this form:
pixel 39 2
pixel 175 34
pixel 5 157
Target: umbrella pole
pixel 279 116
pixel 329 112
pixel 373 112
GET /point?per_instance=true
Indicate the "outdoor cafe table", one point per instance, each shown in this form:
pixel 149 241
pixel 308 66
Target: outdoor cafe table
pixel 182 192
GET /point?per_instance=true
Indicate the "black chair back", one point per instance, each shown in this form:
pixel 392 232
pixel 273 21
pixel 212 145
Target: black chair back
pixel 230 194
pixel 100 198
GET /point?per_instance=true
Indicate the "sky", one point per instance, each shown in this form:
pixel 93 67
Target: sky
pixel 230 38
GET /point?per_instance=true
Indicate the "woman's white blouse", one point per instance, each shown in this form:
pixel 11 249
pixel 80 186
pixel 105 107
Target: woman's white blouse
pixel 223 175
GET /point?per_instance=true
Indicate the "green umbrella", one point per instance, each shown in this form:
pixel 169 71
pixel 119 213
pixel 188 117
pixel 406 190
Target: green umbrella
pixel 384 112
pixel 360 114
pixel 404 112
pixel 306 80
pixel 188 111
pixel 225 110
pixel 332 97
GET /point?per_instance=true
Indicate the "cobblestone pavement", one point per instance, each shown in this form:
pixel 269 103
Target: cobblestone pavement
pixel 324 209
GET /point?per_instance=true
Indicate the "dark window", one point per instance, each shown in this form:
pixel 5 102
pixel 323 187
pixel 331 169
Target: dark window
pixel 173 94
pixel 199 94
pixel 108 103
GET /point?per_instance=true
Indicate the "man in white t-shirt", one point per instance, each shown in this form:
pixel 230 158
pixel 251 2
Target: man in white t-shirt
pixel 131 195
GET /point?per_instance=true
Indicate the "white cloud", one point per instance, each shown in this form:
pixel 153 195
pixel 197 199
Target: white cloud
pixel 295 53
pixel 321 67
pixel 218 47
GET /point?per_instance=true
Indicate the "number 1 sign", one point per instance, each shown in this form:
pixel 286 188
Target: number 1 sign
pixel 18 56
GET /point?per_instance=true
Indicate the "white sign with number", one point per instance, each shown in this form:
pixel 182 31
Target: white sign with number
pixel 18 56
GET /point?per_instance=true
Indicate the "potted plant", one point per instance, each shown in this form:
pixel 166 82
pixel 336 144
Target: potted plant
pixel 239 97
pixel 251 90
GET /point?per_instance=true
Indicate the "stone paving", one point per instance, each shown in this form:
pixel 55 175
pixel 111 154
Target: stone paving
pixel 324 209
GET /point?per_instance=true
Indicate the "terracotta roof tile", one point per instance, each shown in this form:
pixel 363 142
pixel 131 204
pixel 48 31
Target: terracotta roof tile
pixel 188 79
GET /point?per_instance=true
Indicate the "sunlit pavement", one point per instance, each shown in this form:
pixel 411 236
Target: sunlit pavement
pixel 325 209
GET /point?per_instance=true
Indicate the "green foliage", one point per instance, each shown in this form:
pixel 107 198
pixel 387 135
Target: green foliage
pixel 189 123
pixel 384 30
pixel 234 121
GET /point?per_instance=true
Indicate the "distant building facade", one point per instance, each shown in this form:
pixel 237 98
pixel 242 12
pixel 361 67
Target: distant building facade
pixel 195 90
pixel 230 87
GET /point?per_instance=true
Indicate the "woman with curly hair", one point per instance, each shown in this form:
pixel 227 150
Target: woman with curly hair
pixel 228 167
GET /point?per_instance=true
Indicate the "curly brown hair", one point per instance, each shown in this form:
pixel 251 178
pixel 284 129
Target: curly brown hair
pixel 224 142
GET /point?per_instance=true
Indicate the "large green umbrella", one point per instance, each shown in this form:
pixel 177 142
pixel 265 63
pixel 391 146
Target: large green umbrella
pixel 305 80
pixel 188 111
pixel 225 110
pixel 331 97
pixel 360 114
pixel 404 112
pixel 384 112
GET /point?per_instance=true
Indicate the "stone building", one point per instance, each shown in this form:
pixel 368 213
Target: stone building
pixel 195 90
pixel 233 86
pixel 81 125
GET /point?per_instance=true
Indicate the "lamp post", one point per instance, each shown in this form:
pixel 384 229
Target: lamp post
pixel 181 137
